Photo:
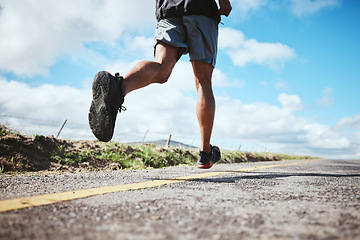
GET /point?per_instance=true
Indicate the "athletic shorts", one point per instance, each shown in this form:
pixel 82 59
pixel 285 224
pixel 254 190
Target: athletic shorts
pixel 193 34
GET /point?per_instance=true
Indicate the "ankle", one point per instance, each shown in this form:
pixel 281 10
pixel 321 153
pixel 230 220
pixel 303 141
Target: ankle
pixel 207 150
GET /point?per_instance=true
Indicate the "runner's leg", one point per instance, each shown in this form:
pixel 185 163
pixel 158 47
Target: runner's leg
pixel 147 72
pixel 205 106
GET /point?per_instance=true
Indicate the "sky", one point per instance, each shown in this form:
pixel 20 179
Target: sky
pixel 286 79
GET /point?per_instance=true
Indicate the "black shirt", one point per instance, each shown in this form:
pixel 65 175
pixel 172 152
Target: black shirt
pixel 177 8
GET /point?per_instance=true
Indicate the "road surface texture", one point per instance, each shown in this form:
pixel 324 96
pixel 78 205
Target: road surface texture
pixel 276 200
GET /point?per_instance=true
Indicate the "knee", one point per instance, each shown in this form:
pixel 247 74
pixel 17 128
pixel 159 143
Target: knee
pixel 162 80
pixel 163 76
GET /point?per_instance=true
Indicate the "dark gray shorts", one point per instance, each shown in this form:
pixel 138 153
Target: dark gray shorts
pixel 194 34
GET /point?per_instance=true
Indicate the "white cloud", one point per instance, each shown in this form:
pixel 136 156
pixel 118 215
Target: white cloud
pixel 43 109
pixel 322 137
pixel 306 7
pixel 264 83
pixel 277 84
pixel 244 51
pixel 235 120
pixel 170 109
pixel 327 98
pixel 221 80
pixel 298 8
pixel 278 129
pixel 352 123
pixel 230 38
pixel 255 121
pixel 281 84
pixel 244 6
pixel 42 102
pixel 38 32
pixel 141 45
pixel 290 102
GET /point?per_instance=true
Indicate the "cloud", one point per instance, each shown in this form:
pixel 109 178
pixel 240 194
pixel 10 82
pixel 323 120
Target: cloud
pixel 39 32
pixel 281 84
pixel 36 37
pixel 250 122
pixel 290 102
pixel 322 137
pixel 170 109
pixel 299 8
pixel 42 109
pixel 349 123
pixel 140 45
pixel 245 6
pixel 327 99
pixel 244 51
pixel 302 8
pixel 221 80
pixel 278 129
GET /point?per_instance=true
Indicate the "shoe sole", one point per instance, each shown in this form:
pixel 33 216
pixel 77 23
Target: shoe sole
pixel 206 166
pixel 99 114
pixel 211 163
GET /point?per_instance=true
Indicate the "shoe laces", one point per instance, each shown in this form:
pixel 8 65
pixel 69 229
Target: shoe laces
pixel 121 108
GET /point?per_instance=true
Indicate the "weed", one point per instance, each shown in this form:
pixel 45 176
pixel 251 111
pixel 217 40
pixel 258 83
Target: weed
pixel 152 158
pixel 74 158
pixel 39 137
pixel 60 147
pixel 56 158
pixel 99 155
pixel 2 168
pixel 4 130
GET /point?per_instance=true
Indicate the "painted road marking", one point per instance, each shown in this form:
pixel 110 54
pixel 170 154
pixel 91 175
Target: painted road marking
pixel 13 204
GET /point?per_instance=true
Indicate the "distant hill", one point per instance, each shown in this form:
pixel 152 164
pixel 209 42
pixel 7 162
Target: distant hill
pixel 163 143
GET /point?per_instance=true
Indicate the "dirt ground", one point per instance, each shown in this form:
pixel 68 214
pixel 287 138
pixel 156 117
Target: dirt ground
pixel 19 153
pixel 34 153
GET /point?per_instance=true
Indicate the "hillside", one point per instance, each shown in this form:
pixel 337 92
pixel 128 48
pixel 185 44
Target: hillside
pixel 19 153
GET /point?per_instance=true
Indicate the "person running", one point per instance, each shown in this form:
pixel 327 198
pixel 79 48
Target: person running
pixel 184 26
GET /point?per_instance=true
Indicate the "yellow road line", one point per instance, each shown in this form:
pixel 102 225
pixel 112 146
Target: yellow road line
pixel 13 204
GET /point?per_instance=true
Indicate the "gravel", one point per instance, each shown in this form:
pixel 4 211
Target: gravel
pixel 318 200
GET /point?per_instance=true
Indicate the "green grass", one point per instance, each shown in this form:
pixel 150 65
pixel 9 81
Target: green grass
pixel 32 153
pixel 71 158
pixel 125 156
pixel 4 130
pixel 143 156
pixel 151 156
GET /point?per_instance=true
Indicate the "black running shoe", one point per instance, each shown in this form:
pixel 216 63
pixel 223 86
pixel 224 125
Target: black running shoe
pixel 107 100
pixel 208 160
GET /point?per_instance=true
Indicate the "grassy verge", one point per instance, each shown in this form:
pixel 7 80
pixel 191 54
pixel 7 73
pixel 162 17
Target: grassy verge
pixel 20 153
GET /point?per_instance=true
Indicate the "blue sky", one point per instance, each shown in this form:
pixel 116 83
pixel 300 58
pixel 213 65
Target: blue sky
pixel 286 80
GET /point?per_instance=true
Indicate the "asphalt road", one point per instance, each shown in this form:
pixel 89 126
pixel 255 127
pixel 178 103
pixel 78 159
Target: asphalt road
pixel 278 200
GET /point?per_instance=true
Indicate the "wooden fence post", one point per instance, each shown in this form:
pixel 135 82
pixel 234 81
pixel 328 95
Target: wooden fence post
pixel 168 142
pixel 61 128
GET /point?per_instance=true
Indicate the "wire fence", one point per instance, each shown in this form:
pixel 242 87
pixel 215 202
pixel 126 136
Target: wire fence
pixel 69 129
pixel 32 126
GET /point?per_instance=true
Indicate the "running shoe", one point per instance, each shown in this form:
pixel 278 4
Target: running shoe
pixel 208 160
pixel 107 100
